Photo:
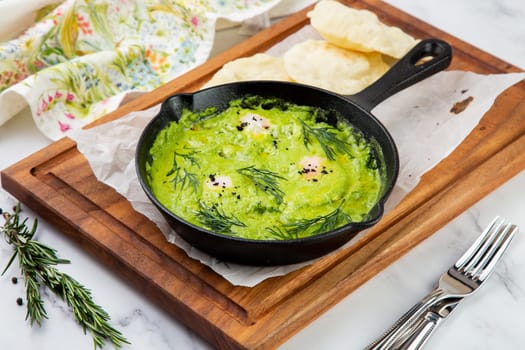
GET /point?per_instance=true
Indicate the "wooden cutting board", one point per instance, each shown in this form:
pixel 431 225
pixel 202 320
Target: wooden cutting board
pixel 58 183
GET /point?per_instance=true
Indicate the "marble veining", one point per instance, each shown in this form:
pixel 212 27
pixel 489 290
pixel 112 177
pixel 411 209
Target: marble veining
pixel 491 319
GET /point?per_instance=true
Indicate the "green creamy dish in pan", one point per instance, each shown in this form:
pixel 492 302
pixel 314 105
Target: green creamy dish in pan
pixel 266 169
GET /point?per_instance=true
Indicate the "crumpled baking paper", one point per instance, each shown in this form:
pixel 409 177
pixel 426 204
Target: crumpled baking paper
pixel 420 118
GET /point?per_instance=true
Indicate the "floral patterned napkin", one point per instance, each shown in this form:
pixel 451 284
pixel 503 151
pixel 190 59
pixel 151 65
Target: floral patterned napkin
pixel 81 58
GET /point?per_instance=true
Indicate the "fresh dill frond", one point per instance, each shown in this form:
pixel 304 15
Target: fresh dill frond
pixel 319 224
pixel 180 175
pixel 216 219
pixel 265 180
pixel 280 233
pixel 327 139
pixel 183 177
pixel 38 267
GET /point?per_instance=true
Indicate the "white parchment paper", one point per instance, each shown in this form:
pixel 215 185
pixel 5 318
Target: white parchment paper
pixel 419 118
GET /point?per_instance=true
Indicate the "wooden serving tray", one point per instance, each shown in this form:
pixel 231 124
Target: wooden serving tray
pixel 57 182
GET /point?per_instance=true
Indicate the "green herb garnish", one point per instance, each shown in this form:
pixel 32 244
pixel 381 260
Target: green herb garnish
pixel 279 233
pixel 327 139
pixel 317 225
pixel 215 219
pixel 37 265
pixel 181 176
pixel 264 179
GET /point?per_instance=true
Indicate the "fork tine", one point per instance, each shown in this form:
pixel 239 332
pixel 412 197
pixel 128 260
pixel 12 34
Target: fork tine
pixel 478 243
pixel 498 251
pixel 472 266
pixel 487 254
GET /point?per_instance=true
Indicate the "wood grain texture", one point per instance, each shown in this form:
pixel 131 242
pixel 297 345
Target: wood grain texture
pixel 58 183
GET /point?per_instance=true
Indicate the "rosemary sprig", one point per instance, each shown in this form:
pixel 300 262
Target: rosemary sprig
pixel 327 139
pixel 182 176
pixel 37 265
pixel 264 179
pixel 316 225
pixel 215 219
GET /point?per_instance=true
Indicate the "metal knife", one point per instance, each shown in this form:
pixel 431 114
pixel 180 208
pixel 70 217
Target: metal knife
pixel 417 336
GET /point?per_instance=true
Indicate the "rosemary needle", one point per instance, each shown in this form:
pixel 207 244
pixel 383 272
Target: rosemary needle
pixel 38 267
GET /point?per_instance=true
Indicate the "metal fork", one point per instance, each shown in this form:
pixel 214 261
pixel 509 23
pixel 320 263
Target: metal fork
pixel 461 280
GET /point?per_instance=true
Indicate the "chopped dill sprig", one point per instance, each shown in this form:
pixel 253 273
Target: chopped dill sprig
pixel 279 233
pixel 317 225
pixel 327 139
pixel 181 176
pixel 38 267
pixel 185 177
pixel 264 179
pixel 216 220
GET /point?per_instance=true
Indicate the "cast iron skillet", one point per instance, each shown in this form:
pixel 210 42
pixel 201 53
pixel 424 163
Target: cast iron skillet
pixel 425 59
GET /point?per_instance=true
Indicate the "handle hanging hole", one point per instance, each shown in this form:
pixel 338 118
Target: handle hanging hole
pixel 423 60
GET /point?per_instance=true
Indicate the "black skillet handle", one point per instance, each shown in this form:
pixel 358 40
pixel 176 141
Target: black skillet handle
pixel 425 59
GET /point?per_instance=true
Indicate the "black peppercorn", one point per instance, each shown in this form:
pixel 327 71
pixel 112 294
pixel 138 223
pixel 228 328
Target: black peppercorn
pixel 14 280
pixel 20 301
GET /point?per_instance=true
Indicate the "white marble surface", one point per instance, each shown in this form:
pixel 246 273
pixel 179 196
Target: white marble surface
pixel 490 319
